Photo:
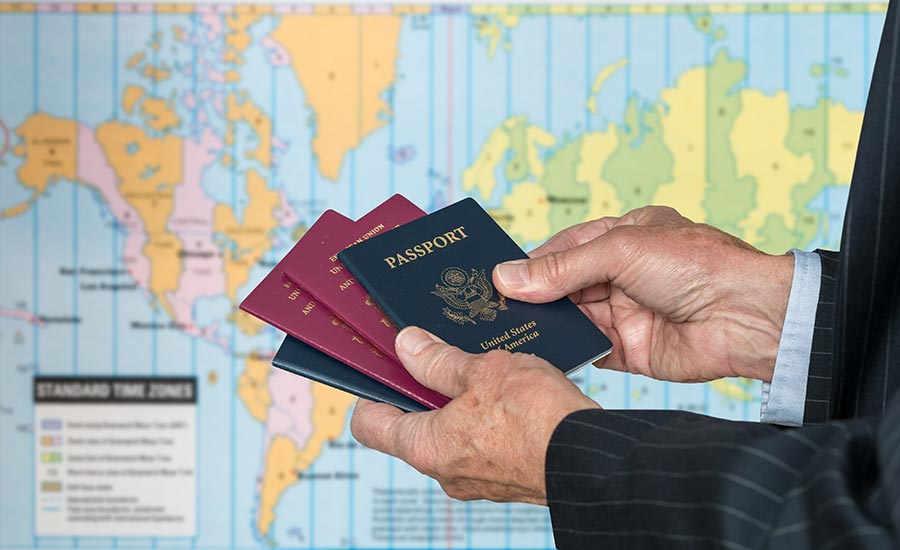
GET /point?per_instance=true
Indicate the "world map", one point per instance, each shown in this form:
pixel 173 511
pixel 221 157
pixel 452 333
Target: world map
pixel 156 161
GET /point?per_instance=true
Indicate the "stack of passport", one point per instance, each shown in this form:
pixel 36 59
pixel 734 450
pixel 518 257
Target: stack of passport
pixel 345 289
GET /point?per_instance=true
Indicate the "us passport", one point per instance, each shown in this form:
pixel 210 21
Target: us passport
pixel 435 273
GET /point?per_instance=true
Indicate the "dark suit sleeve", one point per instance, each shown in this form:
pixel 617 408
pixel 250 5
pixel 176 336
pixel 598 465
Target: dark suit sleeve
pixel 821 360
pixel 667 479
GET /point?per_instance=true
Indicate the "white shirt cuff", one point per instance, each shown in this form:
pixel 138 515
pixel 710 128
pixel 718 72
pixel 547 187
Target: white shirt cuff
pixel 784 399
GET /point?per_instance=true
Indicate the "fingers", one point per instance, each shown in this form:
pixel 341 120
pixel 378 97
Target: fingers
pixel 557 274
pixel 433 362
pixel 576 235
pixel 383 427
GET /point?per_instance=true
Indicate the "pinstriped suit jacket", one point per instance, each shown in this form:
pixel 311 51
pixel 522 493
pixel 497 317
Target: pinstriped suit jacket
pixel 663 479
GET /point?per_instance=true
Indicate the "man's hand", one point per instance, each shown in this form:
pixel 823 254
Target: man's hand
pixel 680 301
pixel 490 442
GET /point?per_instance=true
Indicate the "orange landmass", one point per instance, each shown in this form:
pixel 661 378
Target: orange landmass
pixel 284 459
pixel 248 239
pixel 253 386
pixel 49 150
pixel 244 110
pixel 159 114
pixel 134 60
pixel 132 95
pixel 148 170
pixel 344 63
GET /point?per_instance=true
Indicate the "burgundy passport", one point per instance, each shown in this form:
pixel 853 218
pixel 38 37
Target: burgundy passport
pixel 315 267
pixel 281 303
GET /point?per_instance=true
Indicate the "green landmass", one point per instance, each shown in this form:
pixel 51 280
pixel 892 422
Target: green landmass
pixel 641 161
pixel 568 199
pixel 729 198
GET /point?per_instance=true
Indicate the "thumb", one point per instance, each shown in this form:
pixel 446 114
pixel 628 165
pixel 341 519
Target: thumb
pixel 434 363
pixel 557 274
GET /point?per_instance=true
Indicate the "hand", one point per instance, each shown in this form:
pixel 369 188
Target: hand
pixel 680 301
pixel 490 441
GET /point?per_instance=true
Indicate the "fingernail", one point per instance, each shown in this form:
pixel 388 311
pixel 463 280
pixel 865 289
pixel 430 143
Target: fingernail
pixel 412 340
pixel 513 274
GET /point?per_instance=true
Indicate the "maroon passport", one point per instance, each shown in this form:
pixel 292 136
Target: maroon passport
pixel 281 303
pixel 315 267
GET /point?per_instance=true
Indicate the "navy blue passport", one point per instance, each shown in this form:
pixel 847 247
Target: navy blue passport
pixel 299 358
pixel 435 273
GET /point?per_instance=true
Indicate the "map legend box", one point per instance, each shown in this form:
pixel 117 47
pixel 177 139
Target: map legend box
pixel 123 458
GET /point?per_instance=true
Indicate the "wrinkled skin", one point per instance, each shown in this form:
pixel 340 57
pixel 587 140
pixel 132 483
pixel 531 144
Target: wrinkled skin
pixel 489 441
pixel 680 301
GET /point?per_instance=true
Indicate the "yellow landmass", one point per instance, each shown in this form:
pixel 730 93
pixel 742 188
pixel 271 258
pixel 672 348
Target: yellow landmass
pixel 250 239
pixel 253 387
pixel 50 152
pixel 246 323
pixel 132 95
pixel 148 170
pixel 758 141
pixel 284 460
pixel 134 60
pixel 481 174
pixel 684 133
pixel 159 114
pixel 536 139
pixel 493 29
pixel 596 147
pixel 843 136
pixel 247 111
pixel 601 79
pixel 232 76
pixel 529 207
pixel 731 389
pixel 157 74
pixel 279 473
pixel 344 86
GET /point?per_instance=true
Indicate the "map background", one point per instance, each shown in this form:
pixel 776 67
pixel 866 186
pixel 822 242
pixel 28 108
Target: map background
pixel 72 65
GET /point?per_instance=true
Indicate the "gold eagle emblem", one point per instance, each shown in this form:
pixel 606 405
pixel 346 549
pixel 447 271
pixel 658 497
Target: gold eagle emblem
pixel 470 295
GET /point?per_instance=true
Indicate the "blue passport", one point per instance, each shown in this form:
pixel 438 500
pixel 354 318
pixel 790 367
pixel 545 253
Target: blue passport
pixel 435 273
pixel 299 358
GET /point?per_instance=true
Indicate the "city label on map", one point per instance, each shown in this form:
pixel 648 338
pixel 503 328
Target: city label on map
pixel 115 456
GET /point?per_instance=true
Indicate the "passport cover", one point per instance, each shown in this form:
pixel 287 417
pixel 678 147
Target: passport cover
pixel 315 267
pixel 298 358
pixel 435 273
pixel 281 303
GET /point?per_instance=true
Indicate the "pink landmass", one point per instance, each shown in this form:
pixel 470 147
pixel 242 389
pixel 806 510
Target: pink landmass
pixel 94 171
pixel 286 213
pixel 219 103
pixel 4 147
pixel 291 412
pixel 209 72
pixel 278 56
pixel 213 24
pixel 188 100
pixel 202 272
pixel 21 316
